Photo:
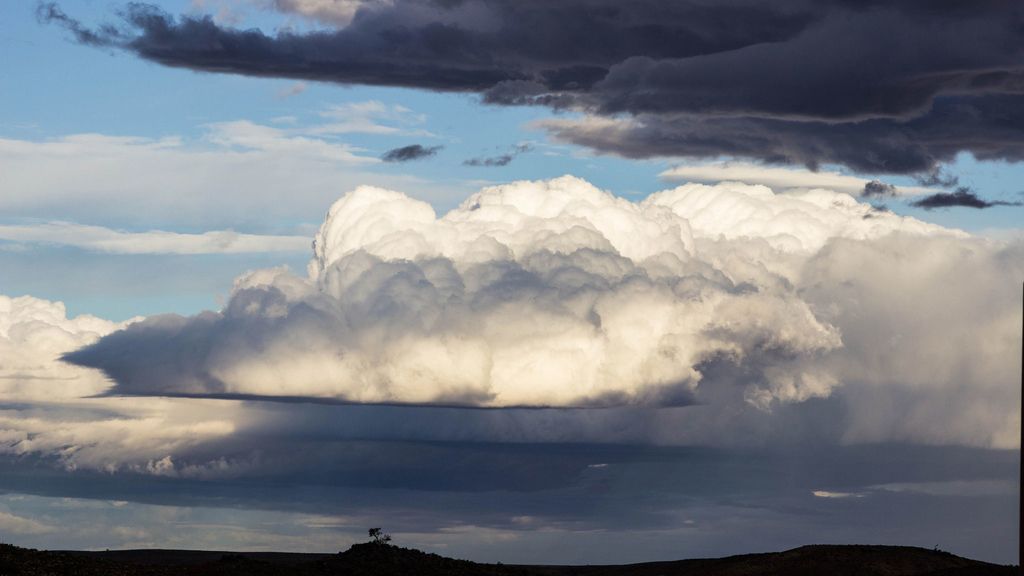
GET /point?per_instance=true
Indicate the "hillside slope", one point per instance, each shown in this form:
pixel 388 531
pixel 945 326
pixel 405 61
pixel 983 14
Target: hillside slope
pixel 383 560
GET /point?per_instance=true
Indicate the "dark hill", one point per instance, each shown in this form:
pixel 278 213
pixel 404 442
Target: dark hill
pixel 384 560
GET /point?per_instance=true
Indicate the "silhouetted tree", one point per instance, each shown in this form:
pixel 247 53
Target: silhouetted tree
pixel 379 537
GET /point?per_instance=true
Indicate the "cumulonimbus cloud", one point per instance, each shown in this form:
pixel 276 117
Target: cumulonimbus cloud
pixel 556 293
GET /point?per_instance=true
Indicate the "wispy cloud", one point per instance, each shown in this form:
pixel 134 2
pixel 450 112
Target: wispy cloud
pixel 836 495
pixel 333 12
pixel 104 239
pixel 249 135
pixel 779 178
pixel 11 524
pixel 369 117
pixel 292 90
pixel 500 160
pixel 232 176
pixel 963 488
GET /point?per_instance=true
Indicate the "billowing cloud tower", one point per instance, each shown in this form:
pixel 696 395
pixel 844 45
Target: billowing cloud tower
pixel 556 293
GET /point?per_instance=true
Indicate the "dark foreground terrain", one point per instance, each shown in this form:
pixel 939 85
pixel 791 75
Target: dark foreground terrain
pixel 386 560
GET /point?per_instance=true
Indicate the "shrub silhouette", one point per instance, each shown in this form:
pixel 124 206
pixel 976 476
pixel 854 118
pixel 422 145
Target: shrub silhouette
pixel 379 537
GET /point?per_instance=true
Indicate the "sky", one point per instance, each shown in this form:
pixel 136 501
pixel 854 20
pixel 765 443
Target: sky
pixel 575 282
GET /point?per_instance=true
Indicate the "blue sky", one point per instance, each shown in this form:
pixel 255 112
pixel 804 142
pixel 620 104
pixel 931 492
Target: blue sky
pixel 64 89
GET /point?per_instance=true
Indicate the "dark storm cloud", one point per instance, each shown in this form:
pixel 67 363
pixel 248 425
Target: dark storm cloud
pixel 412 152
pixel 878 188
pixel 990 127
pixel 874 71
pixel 467 46
pixel 961 197
pixel 876 86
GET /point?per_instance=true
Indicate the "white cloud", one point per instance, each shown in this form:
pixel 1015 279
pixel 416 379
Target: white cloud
pixel 801 221
pixel 336 12
pixel 533 293
pixel 103 239
pixel 293 89
pixel 248 135
pixel 1003 234
pixel 33 335
pixel 778 178
pixel 369 117
pixel 931 336
pixel 11 524
pixel 84 524
pixel 835 495
pixel 553 293
pixel 240 174
pixel 225 12
pixel 557 293
pixel 52 409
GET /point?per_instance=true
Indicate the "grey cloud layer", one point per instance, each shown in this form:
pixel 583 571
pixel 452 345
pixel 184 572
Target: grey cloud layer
pixel 877 86
pixel 990 127
pixel 553 504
